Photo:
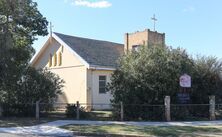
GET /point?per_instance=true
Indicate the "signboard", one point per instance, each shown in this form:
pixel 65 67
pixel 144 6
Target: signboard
pixel 183 98
pixel 185 81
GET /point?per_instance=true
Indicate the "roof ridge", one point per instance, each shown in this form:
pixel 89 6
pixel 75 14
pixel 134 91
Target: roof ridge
pixel 89 39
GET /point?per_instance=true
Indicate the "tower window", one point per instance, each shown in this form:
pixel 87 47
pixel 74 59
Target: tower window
pixel 136 48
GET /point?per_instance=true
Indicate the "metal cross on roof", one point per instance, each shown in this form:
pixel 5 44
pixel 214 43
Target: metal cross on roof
pixel 154 21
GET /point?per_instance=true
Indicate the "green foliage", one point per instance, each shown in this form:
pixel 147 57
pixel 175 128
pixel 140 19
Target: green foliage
pixel 39 85
pixel 71 111
pixel 20 23
pixel 207 79
pixel 147 76
pixel 18 110
pixel 33 86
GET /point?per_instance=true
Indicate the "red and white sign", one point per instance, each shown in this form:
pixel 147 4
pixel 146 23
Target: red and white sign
pixel 185 81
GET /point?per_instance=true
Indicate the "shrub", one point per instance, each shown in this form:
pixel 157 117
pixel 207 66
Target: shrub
pixel 71 110
pixel 147 76
pixel 18 110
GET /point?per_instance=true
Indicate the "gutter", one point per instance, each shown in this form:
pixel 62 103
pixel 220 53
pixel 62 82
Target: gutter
pixel 101 68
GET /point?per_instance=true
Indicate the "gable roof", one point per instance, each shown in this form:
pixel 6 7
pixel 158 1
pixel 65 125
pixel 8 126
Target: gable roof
pixel 97 53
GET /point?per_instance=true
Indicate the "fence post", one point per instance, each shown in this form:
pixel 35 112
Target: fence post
pixel 121 111
pixel 167 108
pixel 37 110
pixel 77 110
pixel 212 107
pixel 1 110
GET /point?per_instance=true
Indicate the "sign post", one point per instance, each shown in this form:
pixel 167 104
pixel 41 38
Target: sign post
pixel 185 84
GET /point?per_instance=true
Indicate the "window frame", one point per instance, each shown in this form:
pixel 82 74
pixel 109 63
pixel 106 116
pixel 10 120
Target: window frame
pixel 136 48
pixel 100 86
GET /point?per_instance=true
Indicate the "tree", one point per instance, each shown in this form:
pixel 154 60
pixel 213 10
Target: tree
pixel 147 76
pixel 41 85
pixel 20 23
pixel 207 79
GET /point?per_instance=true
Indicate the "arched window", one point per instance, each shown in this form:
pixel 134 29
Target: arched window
pixel 50 60
pixel 62 48
pixel 55 59
pixel 60 58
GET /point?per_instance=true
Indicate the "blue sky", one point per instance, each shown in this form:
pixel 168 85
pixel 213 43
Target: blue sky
pixel 195 25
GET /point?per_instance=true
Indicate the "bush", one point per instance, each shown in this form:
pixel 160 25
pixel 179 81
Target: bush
pixel 147 76
pixel 71 111
pixel 18 110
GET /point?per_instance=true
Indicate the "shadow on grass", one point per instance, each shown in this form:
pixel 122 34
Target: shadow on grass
pixel 17 122
pixel 145 130
pixel 172 130
pixel 87 128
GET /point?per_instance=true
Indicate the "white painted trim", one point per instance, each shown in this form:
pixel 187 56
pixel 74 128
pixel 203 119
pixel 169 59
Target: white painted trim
pixel 70 49
pixel 101 68
pixel 36 56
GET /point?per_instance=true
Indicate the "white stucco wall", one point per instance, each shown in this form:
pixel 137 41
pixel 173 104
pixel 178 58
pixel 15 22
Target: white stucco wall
pixel 72 71
pixel 99 100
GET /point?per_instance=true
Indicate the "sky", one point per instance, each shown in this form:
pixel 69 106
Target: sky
pixel 195 25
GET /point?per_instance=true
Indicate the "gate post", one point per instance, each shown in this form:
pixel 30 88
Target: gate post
pixel 37 110
pixel 121 111
pixel 167 108
pixel 212 107
pixel 1 110
pixel 77 110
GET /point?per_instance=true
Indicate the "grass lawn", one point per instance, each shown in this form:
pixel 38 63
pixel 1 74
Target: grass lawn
pixel 48 117
pixel 100 115
pixel 174 131
pixel 15 122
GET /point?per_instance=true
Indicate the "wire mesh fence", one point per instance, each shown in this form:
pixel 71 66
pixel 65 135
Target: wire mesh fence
pixel 141 112
pixel 189 112
pixel 128 112
pixel 52 110
pixel 18 110
pixel 131 112
pixel 136 112
pixel 90 111
pixel 218 111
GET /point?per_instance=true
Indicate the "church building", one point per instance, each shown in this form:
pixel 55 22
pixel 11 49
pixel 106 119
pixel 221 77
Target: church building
pixel 86 64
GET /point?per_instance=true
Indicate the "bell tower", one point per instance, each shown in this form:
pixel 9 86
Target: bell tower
pixel 146 37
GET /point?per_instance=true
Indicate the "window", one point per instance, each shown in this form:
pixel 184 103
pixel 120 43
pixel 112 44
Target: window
pixel 50 60
pixel 102 84
pixel 60 59
pixel 136 48
pixel 55 59
pixel 62 48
